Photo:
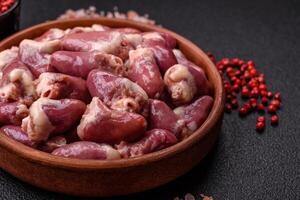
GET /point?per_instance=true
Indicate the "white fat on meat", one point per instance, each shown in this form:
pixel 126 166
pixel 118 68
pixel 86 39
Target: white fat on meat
pixel 67 31
pixel 37 124
pixel 26 79
pixel 52 34
pixel 111 153
pixel 143 69
pixel 94 27
pixel 180 73
pixel 90 116
pixel 181 83
pixel 126 104
pixel 99 27
pixel 131 86
pixel 22 110
pixel 108 46
pixel 192 126
pixel 44 83
pixel 115 63
pixel 178 53
pixel 153 36
pixel 7 56
pixel 181 91
pixel 9 91
pixel 134 39
pixel 179 111
pixel 80 29
pixel 28 47
pixel 147 57
pixel 57 33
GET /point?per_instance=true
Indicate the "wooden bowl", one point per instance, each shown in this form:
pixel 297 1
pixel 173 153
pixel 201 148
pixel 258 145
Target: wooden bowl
pixel 119 177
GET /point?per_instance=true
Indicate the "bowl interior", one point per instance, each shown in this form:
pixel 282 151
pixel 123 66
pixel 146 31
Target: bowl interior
pixel 191 51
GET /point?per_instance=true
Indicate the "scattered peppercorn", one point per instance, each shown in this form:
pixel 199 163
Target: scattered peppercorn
pixel 277 96
pixel 274 120
pixel 253 103
pixel 261 119
pixel 260 126
pixel 271 109
pixel 243 111
pixel 275 103
pixel 263 93
pixel 264 100
pixel 269 95
pixel 262 87
pixel 234 103
pixel 261 107
pixel 245 92
pixel 242 77
pixel 228 108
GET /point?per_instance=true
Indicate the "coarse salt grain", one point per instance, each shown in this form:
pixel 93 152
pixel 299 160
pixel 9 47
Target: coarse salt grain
pixel 91 12
pixel 189 196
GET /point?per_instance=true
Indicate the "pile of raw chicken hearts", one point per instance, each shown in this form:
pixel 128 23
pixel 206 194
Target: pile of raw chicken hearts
pixel 101 93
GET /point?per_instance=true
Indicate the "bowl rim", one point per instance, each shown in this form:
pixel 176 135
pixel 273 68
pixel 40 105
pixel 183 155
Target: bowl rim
pixel 71 163
pixel 15 5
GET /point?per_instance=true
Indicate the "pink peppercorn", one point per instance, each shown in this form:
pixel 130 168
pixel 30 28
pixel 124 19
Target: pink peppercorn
pixel 228 108
pixel 261 119
pixel 243 111
pixel 269 95
pixel 277 96
pixel 245 92
pixel 262 87
pixel 225 61
pixel 253 103
pixel 263 93
pixel 274 120
pixel 264 100
pixel 276 103
pixel 260 108
pixel 254 93
pixel 242 77
pixel 234 103
pixel 271 109
pixel 260 126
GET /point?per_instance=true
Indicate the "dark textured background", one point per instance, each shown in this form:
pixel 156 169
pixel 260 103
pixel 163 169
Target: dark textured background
pixel 243 164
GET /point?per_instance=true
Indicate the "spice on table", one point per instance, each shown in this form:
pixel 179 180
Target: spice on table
pixel 260 107
pixel 271 109
pixel 260 126
pixel 5 5
pixel 261 119
pixel 275 103
pixel 274 120
pixel 189 196
pixel 91 12
pixel 241 77
pixel 228 108
pixel 264 100
pixel 245 92
pixel 243 111
pixel 206 197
